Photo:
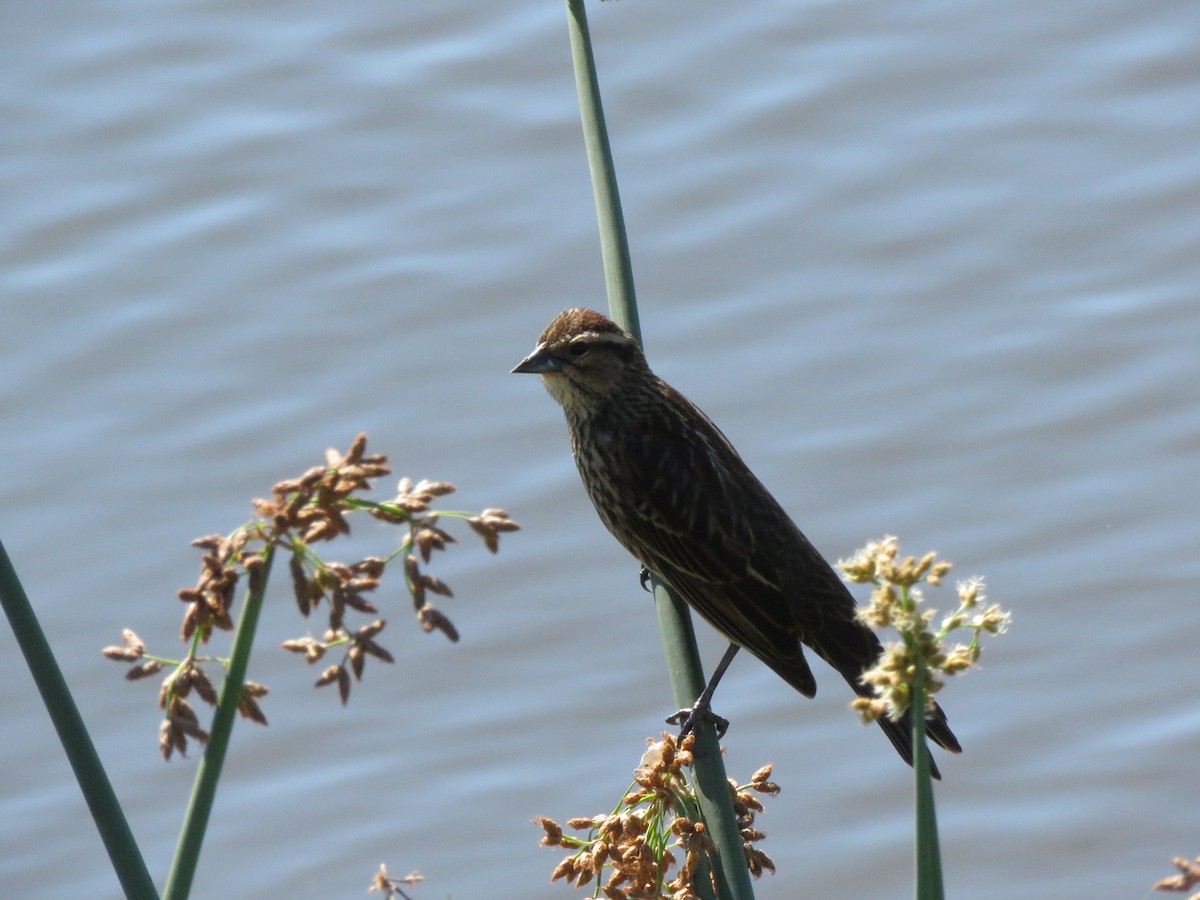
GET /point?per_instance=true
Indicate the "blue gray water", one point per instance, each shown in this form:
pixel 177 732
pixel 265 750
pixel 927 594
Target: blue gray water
pixel 932 266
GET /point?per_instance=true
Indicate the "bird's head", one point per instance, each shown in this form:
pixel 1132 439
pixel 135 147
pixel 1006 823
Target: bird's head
pixel 585 360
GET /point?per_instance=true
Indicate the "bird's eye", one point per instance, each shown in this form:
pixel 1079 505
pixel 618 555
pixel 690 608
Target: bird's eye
pixel 579 348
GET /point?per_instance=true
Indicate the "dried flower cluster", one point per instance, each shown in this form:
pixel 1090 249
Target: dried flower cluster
pixel 302 512
pixel 1188 877
pixel 896 603
pixel 658 812
pixel 393 887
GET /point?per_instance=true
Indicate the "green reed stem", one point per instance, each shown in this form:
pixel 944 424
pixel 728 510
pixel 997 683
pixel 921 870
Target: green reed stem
pixel 614 244
pixel 204 789
pixel 679 640
pixel 927 852
pixel 81 752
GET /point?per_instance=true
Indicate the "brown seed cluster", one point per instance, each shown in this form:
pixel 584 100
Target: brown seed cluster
pixel 210 600
pixel 343 586
pixel 1188 877
pixel 180 721
pixel 659 812
pixel 490 524
pixel 301 512
pixel 313 506
pixel 132 651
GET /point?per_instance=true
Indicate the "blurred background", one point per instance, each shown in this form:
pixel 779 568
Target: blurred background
pixel 931 266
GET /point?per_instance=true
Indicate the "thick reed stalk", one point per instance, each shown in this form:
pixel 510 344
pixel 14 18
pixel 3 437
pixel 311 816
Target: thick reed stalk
pixel 204 789
pixel 81 752
pixel 679 640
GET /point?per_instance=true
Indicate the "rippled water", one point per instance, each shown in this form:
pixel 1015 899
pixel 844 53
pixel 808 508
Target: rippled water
pixel 931 266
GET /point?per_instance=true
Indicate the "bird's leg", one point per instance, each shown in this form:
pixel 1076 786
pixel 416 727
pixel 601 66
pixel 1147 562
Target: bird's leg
pixel 644 578
pixel 702 708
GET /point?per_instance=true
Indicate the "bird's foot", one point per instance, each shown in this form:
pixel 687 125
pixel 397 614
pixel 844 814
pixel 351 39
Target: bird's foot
pixel 688 718
pixel 644 578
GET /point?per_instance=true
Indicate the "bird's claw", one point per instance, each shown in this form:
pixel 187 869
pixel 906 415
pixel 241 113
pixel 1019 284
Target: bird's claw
pixel 689 717
pixel 644 578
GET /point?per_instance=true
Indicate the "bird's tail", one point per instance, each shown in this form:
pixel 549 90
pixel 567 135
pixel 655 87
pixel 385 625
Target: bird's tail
pixel 853 649
pixel 899 732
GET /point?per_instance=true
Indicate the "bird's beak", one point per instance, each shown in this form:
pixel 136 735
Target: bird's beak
pixel 539 362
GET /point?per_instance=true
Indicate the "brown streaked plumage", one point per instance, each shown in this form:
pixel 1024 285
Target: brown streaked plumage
pixel 672 489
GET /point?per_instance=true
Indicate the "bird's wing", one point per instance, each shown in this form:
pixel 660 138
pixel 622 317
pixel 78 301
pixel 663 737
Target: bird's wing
pixel 712 531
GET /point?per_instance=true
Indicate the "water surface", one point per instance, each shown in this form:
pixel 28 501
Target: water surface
pixel 931 266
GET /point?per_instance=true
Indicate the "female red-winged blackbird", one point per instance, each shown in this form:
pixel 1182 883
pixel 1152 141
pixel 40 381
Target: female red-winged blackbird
pixel 671 488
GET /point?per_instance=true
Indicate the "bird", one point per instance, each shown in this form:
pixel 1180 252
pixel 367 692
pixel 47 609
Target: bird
pixel 672 490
